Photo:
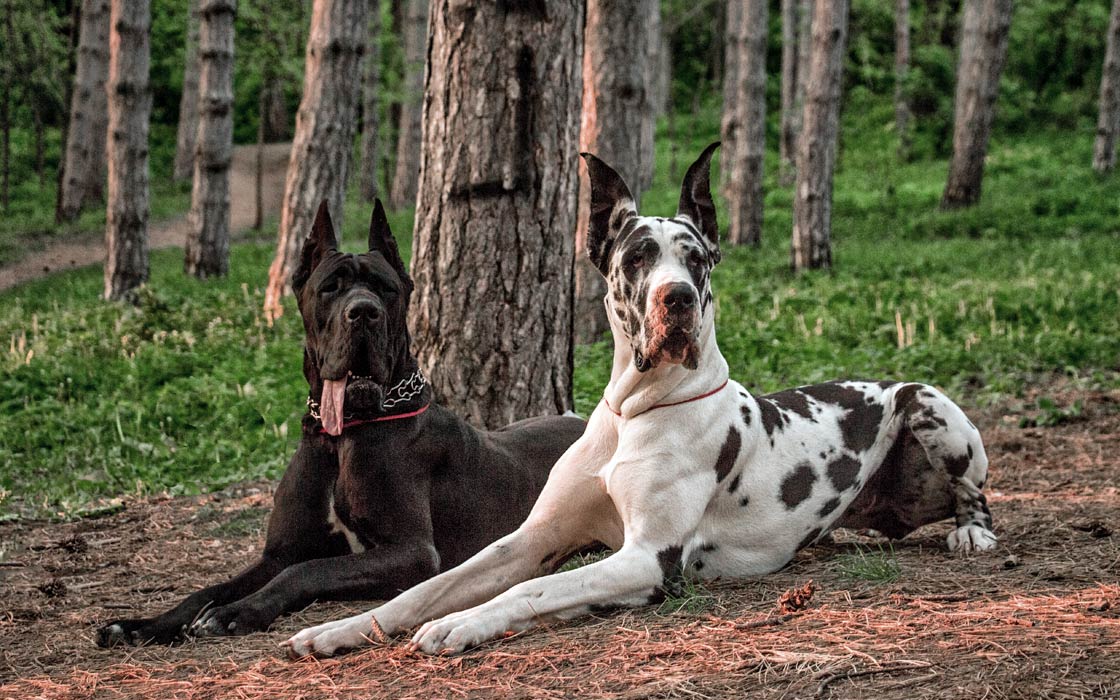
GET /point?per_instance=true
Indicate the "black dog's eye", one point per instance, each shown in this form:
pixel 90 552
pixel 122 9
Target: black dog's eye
pixel 329 287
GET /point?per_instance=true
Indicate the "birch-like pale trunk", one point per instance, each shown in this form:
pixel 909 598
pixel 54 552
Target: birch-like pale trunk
pixel 1108 122
pixel 84 180
pixel 187 131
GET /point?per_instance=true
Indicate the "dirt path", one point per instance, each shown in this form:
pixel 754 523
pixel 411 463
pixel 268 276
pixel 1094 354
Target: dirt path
pixel 90 250
pixel 1038 618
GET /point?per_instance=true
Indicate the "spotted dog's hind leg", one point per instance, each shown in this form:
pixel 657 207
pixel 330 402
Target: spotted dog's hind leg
pixel 955 451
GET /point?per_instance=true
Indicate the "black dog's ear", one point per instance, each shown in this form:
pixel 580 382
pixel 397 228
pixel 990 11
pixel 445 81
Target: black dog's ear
pixel 319 242
pixel 696 200
pixel 381 241
pixel 612 206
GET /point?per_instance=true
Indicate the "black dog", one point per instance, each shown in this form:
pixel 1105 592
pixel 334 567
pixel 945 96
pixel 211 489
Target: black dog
pixel 386 488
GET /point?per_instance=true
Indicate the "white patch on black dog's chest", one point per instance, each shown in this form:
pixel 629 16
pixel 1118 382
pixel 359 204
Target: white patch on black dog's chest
pixel 339 528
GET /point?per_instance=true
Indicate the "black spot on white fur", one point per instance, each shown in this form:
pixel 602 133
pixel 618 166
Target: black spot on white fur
pixel 842 472
pixel 728 454
pixel 797 485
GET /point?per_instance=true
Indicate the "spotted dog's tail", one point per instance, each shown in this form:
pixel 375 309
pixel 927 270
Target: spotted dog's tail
pixel 954 449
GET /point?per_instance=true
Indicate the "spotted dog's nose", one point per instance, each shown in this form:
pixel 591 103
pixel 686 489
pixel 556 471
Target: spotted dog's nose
pixel 678 297
pixel 362 310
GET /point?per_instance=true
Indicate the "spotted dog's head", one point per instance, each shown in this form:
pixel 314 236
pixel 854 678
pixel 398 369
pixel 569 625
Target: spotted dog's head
pixel 657 269
pixel 354 309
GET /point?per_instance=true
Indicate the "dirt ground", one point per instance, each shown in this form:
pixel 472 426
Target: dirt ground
pixel 90 250
pixel 1038 618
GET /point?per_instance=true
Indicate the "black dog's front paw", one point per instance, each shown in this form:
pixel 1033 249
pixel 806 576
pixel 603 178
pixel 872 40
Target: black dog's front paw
pixel 230 620
pixel 135 633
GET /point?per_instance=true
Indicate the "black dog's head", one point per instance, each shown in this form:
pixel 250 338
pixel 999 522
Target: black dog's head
pixel 657 269
pixel 354 310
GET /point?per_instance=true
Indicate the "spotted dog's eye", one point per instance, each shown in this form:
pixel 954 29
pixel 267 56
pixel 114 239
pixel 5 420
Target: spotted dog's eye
pixel 696 258
pixel 634 261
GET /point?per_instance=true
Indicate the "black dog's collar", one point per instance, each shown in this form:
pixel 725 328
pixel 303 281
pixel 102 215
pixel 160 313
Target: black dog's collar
pixel 403 392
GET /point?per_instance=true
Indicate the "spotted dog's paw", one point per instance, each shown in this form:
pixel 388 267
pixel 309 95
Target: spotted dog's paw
pixel 135 633
pixel 457 632
pixel 332 637
pixel 228 621
pixel 972 538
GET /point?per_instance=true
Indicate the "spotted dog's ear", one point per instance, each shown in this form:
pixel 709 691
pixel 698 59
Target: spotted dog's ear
pixel 319 242
pixel 381 241
pixel 696 200
pixel 612 206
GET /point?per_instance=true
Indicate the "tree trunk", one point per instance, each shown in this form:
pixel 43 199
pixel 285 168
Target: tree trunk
pixel 653 83
pixel 75 11
pixel 275 111
pixel 207 251
pixel 371 89
pixel 617 112
pixel 258 177
pixel 324 133
pixel 185 142
pixel 1108 124
pixel 406 175
pixel 729 120
pixel 816 144
pixel 901 69
pixel 492 314
pixel 787 140
pixel 983 50
pixel 130 105
pixel 745 184
pixel 6 111
pixel 804 45
pixel 85 143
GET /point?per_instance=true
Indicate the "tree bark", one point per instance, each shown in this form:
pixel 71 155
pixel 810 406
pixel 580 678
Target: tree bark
pixel 324 133
pixel 207 250
pixel 616 126
pixel 745 184
pixel 85 143
pixel 901 69
pixel 371 89
pixel 983 50
pixel 787 140
pixel 130 105
pixel 1108 123
pixel 406 174
pixel 6 112
pixel 492 257
pixel 804 45
pixel 186 140
pixel 816 144
pixel 729 120
pixel 653 84
pixel 67 97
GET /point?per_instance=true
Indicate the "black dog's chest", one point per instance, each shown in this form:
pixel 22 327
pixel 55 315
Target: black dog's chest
pixel 340 522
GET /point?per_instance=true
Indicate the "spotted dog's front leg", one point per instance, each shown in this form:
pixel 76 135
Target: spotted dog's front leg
pixel 629 577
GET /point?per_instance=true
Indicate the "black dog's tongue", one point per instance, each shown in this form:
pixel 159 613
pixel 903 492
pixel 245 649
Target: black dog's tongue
pixel 331 406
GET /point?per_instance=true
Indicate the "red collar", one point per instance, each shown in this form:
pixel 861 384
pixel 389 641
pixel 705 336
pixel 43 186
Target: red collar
pixel 379 419
pixel 675 403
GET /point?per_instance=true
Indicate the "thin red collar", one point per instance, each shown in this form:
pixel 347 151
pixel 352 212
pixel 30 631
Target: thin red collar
pixel 379 419
pixel 675 403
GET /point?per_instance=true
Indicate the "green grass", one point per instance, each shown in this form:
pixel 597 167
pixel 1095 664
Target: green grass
pixel 879 566
pixel 192 390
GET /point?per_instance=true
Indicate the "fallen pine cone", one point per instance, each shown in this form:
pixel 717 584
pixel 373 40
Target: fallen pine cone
pixel 797 598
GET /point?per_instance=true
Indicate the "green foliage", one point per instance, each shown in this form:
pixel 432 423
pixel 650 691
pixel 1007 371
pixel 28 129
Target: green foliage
pixel 879 566
pixel 1049 413
pixel 689 596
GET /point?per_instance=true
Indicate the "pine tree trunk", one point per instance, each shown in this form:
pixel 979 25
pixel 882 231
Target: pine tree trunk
pixel 185 142
pixel 805 10
pixel 324 133
pixel 1108 124
pixel 652 85
pixel 207 250
pixel 616 115
pixel 406 174
pixel 258 176
pixel 983 50
pixel 816 145
pixel 130 105
pixel 729 119
pixel 75 12
pixel 901 69
pixel 492 314
pixel 787 140
pixel 371 89
pixel 745 185
pixel 85 143
pixel 6 111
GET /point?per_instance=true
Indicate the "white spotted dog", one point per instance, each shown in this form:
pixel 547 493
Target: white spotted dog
pixel 682 471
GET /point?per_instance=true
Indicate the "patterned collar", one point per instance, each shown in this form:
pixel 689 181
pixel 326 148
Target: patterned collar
pixel 402 393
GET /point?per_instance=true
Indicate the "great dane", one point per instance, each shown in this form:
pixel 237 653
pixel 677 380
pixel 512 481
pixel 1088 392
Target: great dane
pixel 681 470
pixel 386 487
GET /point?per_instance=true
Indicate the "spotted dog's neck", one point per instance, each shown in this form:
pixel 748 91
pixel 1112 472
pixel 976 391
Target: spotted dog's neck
pixel 631 392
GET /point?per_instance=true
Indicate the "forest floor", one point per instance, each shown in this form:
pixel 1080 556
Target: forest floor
pixel 82 250
pixel 1038 618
